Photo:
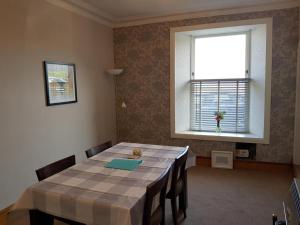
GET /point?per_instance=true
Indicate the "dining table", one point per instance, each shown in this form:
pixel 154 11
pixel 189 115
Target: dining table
pixel 92 194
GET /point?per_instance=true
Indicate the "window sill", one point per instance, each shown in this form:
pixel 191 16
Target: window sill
pixel 214 136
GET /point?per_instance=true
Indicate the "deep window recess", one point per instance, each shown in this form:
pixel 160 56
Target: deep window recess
pixel 220 82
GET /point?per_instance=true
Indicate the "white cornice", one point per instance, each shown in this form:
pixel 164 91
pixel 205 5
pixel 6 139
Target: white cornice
pixel 85 9
pixel 257 8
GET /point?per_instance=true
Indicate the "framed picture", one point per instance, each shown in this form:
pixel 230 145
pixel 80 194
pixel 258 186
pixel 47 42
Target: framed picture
pixel 60 82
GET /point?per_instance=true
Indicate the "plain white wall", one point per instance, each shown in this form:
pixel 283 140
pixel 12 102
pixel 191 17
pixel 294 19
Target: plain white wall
pixel 296 157
pixel 31 134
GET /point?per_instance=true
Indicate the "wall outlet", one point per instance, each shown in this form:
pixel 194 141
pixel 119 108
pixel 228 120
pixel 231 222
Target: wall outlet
pixel 242 153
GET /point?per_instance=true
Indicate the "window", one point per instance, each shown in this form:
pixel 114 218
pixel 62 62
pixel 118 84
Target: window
pixel 230 96
pixel 221 67
pixel 220 82
pixel 223 56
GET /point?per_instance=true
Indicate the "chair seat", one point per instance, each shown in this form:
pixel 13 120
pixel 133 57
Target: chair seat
pixel 178 189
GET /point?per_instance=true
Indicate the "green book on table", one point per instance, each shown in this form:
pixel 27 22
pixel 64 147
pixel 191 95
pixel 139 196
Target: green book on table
pixel 123 164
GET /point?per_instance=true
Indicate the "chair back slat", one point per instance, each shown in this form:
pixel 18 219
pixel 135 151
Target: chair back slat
pixel 157 187
pixel 55 167
pixel 179 168
pixel 97 149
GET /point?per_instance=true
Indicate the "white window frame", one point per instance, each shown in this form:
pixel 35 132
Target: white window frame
pixel 248 49
pixel 247 59
pixel 264 138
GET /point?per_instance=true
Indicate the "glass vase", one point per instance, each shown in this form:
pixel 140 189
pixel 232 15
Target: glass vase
pixel 218 128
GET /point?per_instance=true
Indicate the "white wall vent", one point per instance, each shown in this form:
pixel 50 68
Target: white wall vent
pixel 222 159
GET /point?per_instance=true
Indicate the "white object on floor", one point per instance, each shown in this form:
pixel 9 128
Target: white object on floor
pixel 222 159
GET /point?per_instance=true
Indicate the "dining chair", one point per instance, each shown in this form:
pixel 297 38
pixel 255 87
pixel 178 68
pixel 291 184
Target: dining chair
pixel 97 149
pixel 55 167
pixel 157 187
pixel 179 186
pixel 37 216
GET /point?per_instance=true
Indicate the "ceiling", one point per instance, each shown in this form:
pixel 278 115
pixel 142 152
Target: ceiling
pixel 129 9
pixel 118 11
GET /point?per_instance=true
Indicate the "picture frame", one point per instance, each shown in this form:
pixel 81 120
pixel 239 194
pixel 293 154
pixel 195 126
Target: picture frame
pixel 60 83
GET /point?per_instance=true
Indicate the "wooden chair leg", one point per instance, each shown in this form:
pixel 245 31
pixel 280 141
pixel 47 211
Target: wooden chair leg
pixel 174 210
pixel 37 218
pixel 182 206
pixel 183 197
pixel 163 218
pixel 185 187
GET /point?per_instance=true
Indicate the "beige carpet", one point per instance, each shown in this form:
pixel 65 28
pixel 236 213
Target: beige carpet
pixel 233 197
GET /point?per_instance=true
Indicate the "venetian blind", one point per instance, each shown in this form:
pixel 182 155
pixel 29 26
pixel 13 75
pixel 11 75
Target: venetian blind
pixel 229 95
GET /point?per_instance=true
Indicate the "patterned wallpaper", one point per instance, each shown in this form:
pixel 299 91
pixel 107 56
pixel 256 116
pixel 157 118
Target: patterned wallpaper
pixel 144 52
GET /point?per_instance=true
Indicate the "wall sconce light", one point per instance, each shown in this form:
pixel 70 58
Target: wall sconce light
pixel 123 105
pixel 114 72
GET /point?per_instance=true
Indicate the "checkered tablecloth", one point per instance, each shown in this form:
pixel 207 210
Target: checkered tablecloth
pixel 92 194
